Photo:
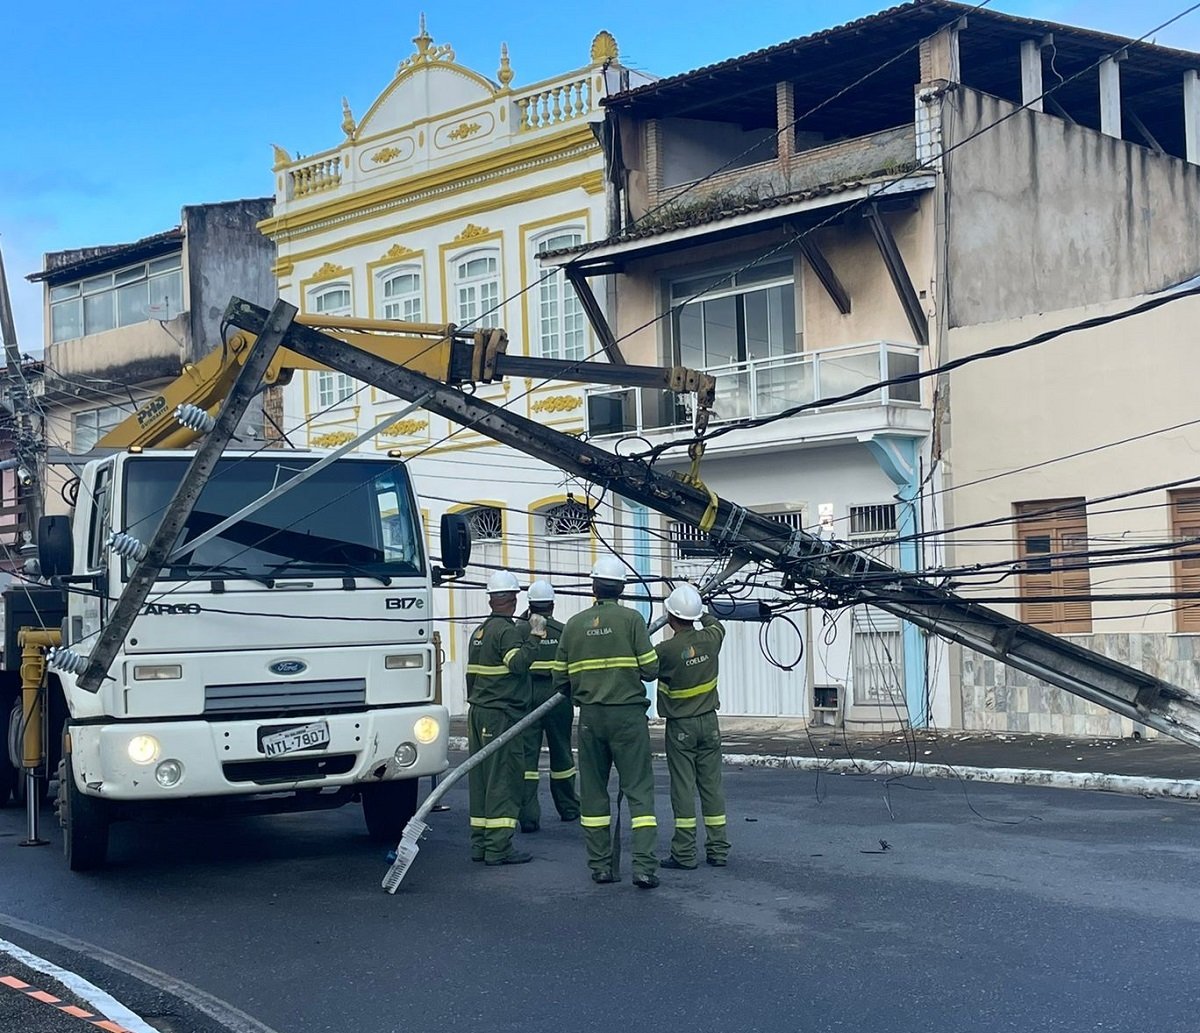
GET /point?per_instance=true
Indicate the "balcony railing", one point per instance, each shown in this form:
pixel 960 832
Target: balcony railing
pixel 766 387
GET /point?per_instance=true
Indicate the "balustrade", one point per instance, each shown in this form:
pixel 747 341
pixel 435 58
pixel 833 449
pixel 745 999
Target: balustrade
pixel 317 176
pixel 554 105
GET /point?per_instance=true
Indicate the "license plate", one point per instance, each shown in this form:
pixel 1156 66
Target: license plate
pixel 312 736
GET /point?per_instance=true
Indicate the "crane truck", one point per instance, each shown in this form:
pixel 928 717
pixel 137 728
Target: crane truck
pixel 158 639
pixel 283 653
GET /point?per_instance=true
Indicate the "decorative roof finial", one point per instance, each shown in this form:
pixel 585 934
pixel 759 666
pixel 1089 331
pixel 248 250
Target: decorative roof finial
pixel 282 157
pixel 604 48
pixel 348 124
pixel 422 39
pixel 505 74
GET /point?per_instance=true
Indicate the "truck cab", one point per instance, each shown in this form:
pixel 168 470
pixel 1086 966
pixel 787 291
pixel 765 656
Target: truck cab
pixel 285 662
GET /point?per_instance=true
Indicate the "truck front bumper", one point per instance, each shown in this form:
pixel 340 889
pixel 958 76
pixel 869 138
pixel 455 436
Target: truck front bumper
pixel 225 758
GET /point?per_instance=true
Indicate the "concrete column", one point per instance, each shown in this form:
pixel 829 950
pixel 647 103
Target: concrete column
pixel 1031 74
pixel 654 180
pixel 1110 97
pixel 1191 114
pixel 897 457
pixel 785 121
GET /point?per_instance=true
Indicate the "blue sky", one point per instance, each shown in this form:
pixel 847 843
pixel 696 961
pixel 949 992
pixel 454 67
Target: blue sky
pixel 117 114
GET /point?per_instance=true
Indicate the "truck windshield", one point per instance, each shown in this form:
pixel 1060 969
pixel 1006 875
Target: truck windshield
pixel 353 517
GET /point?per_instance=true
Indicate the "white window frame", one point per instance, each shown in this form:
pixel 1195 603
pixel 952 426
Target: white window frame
pixel 332 388
pixel 730 283
pixel 98 422
pixel 99 287
pixel 559 311
pixel 408 307
pixel 476 299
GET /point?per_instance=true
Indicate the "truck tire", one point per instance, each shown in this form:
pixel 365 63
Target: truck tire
pixel 12 778
pixel 84 821
pixel 388 806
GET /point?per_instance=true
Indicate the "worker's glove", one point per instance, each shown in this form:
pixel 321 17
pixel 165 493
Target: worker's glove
pixel 537 625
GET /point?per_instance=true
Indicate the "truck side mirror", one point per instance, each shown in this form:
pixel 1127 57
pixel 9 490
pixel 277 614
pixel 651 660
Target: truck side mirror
pixel 55 547
pixel 456 544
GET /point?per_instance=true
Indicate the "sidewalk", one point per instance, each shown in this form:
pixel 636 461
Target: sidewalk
pixel 1161 766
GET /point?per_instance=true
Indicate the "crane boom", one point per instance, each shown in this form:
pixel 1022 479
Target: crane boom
pixel 806 560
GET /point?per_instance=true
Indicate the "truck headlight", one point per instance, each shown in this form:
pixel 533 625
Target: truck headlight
pixel 404 661
pixel 143 749
pixel 426 730
pixel 157 672
pixel 406 755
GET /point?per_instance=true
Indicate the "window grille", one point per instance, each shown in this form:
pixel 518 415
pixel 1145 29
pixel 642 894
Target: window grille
pixel 486 523
pixel 566 518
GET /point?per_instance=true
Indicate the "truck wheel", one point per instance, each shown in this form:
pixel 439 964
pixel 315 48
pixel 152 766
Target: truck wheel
pixel 12 778
pixel 388 806
pixel 84 821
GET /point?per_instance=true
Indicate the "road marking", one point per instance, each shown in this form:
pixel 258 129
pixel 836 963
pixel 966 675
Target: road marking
pixel 116 1018
pixel 222 1012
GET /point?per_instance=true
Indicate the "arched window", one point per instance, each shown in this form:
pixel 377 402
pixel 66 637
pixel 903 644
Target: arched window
pixel 400 294
pixel 561 326
pixel 331 300
pixel 567 518
pixel 486 523
pixel 477 289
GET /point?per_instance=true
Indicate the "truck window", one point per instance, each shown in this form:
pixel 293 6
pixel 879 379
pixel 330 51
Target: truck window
pixel 99 528
pixel 352 514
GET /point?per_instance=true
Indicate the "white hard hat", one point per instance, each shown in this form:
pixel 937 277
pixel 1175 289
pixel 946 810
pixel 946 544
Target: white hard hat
pixel 541 592
pixel 609 568
pixel 685 603
pixel 502 581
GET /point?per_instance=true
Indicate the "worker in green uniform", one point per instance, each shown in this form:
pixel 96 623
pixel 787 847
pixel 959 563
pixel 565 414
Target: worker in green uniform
pixel 687 698
pixel 555 727
pixel 498 690
pixel 604 655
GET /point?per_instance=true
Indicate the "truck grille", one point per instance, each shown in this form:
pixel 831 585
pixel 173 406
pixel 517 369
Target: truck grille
pixel 293 769
pixel 286 697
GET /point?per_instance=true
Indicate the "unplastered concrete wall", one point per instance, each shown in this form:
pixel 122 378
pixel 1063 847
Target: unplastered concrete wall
pixel 1045 215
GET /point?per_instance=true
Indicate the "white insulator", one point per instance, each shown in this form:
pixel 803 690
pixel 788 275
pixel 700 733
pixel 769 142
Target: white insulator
pixel 194 418
pixel 126 546
pixel 64 659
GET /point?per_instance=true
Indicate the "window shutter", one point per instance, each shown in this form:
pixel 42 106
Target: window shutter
pixel 1185 524
pixel 1042 537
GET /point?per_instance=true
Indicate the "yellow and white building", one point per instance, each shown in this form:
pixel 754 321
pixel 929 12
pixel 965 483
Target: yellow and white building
pixel 432 208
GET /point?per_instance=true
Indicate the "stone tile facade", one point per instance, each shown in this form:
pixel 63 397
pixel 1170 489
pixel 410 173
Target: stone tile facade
pixel 997 698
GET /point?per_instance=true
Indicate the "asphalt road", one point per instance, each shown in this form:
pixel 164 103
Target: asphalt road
pixel 1047 910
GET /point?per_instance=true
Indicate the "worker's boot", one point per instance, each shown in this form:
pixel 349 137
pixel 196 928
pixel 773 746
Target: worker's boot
pixel 516 857
pixel 645 882
pixel 671 862
pixel 603 878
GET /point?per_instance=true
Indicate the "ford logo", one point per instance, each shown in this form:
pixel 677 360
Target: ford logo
pixel 288 667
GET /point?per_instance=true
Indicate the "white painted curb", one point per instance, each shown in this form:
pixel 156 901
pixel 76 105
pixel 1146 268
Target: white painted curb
pixel 1137 785
pixel 102 1002
pixel 1133 785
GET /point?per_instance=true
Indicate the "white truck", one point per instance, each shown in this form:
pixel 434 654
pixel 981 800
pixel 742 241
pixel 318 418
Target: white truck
pixel 286 663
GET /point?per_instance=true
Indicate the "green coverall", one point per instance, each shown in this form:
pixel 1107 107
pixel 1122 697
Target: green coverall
pixel 498 691
pixel 556 728
pixel 604 655
pixel 687 698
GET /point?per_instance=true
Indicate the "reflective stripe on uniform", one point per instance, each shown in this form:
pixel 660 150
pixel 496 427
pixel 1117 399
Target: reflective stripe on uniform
pixel 598 822
pixel 509 655
pixel 500 823
pixel 714 819
pixel 685 823
pixel 569 773
pixel 531 776
pixel 559 665
pixel 645 658
pixel 542 665
pixel 644 821
pixel 483 669
pixel 478 823
pixel 696 690
pixel 602 664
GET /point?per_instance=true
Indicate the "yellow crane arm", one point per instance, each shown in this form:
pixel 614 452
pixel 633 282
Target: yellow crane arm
pixel 423 347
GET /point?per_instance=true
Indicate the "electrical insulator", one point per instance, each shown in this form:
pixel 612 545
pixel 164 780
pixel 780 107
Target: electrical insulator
pixel 126 546
pixel 194 418
pixel 64 659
